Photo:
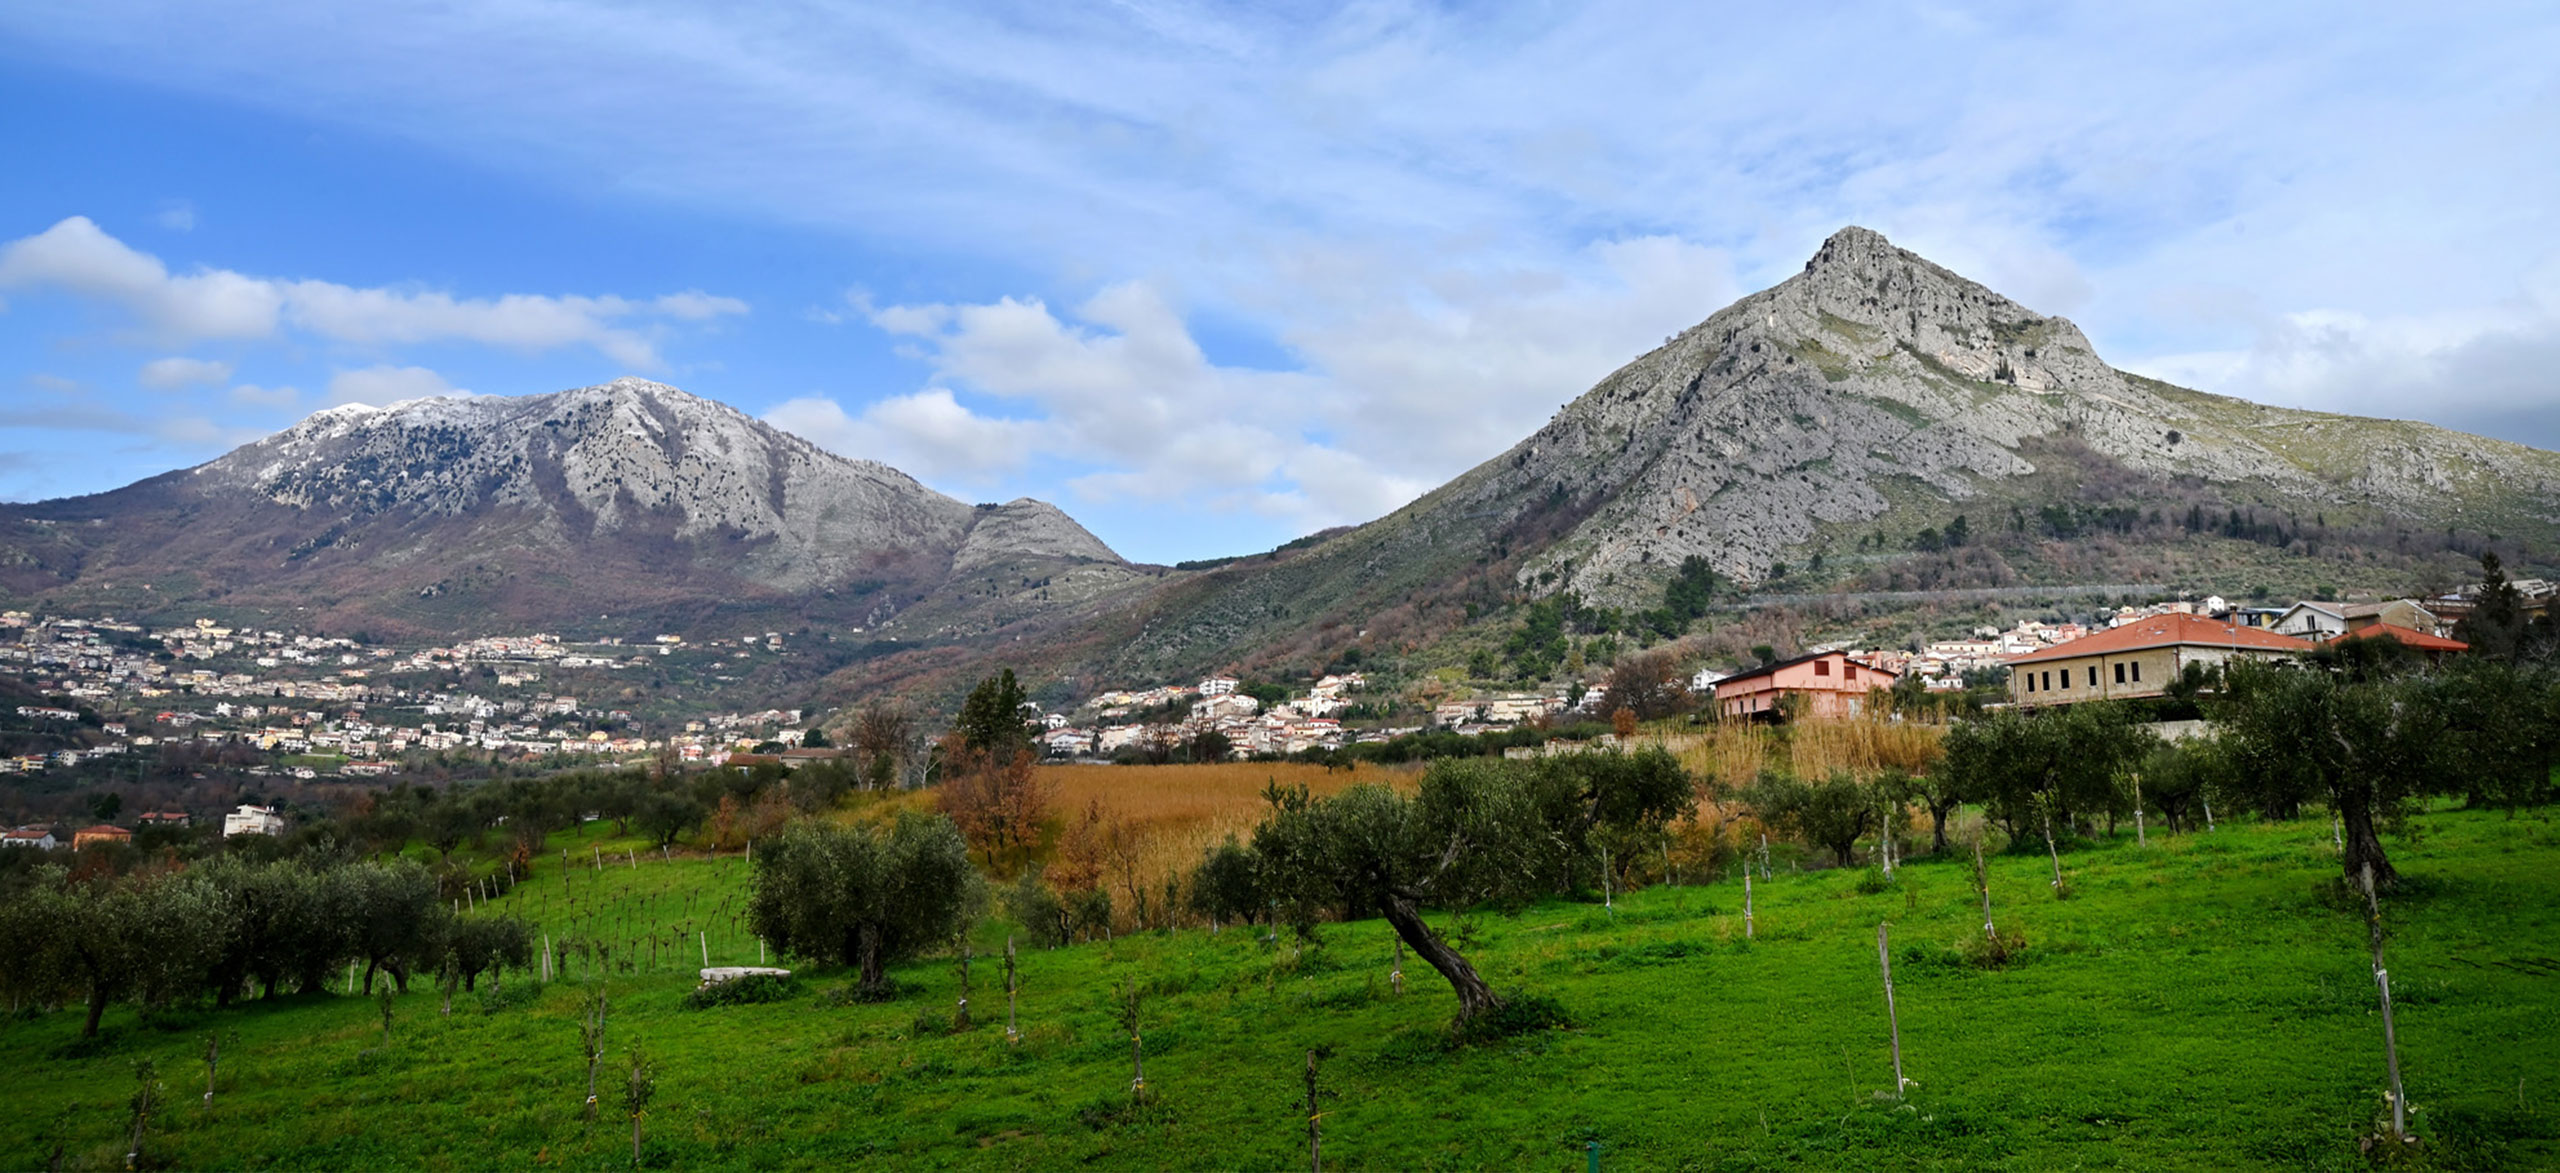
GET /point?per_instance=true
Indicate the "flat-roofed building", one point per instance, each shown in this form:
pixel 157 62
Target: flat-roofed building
pixel 2138 659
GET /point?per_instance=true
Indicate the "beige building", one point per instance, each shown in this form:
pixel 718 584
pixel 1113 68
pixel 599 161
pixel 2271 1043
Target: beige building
pixel 2138 659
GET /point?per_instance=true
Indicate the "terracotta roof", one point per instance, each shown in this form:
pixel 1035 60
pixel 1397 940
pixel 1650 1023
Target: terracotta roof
pixel 2416 639
pixel 2161 631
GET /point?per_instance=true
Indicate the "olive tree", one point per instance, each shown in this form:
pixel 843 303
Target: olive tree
pixel 2372 747
pixel 1480 831
pixel 863 896
pixel 1833 813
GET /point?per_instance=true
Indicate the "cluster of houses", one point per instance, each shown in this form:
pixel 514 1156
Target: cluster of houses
pixel 246 820
pixel 1214 705
pixel 292 694
pixel 2139 653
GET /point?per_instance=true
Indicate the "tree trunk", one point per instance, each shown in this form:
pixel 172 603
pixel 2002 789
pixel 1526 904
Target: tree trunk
pixel 1938 829
pixel 97 1009
pixel 1474 996
pixel 2360 844
pixel 368 979
pixel 875 979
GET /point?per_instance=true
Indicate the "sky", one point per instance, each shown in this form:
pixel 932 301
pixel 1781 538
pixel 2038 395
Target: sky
pixel 1214 277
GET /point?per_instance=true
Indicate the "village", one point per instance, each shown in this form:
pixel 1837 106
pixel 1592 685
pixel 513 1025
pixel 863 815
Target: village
pixel 338 706
pixel 313 707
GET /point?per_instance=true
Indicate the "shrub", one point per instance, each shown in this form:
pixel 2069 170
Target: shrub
pixel 742 991
pixel 1519 1015
pixel 1999 951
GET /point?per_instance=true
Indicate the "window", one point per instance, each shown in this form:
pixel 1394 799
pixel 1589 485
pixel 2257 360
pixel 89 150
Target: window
pixel 2030 678
pixel 2119 671
pixel 2066 679
pixel 1822 667
pixel 1849 672
pixel 2093 676
pixel 2137 672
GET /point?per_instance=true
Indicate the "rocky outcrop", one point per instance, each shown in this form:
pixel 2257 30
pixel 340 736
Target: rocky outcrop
pixel 480 511
pixel 1873 381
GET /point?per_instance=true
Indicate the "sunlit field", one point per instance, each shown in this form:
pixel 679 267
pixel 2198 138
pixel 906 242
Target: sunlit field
pixel 2203 1002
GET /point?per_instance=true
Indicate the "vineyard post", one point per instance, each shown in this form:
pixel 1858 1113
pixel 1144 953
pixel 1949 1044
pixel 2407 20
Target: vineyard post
pixel 1982 886
pixel 1749 930
pixel 1315 1120
pixel 1012 1032
pixel 2390 1036
pixel 1884 965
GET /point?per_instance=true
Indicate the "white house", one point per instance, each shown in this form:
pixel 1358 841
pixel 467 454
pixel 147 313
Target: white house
pixel 252 820
pixel 1218 686
pixel 40 838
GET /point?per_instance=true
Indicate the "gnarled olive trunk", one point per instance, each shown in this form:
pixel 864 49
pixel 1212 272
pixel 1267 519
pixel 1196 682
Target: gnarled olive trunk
pixel 2360 843
pixel 875 977
pixel 1474 996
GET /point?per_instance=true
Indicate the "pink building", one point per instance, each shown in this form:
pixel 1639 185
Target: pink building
pixel 1830 683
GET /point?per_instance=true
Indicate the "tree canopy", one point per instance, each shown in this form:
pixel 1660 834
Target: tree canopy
pixel 863 896
pixel 1479 832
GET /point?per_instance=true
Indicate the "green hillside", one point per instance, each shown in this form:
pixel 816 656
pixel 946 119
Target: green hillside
pixel 2204 1002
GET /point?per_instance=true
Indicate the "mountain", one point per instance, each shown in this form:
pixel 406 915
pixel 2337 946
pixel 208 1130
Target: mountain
pixel 481 512
pixel 1824 435
pixel 1870 438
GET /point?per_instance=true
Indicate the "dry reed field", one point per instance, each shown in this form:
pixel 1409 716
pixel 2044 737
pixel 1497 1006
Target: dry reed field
pixel 1183 810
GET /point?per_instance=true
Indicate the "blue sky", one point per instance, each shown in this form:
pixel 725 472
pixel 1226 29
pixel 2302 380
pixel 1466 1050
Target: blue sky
pixel 1211 277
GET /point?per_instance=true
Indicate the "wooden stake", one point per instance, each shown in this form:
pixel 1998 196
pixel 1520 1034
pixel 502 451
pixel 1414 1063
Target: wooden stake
pixel 2052 850
pixel 2141 838
pixel 1748 929
pixel 1395 976
pixel 1982 884
pixel 2390 1036
pixel 1884 965
pixel 1608 899
pixel 1012 1034
pixel 2208 813
pixel 1315 1120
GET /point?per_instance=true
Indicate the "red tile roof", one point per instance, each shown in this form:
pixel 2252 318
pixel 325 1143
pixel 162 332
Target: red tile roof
pixel 2416 639
pixel 2160 631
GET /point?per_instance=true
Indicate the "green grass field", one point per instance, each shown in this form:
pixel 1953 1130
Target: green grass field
pixel 2203 1003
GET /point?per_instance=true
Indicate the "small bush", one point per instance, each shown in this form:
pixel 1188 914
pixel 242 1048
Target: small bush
pixel 1521 1015
pixel 855 995
pixel 1995 952
pixel 1873 884
pixel 743 991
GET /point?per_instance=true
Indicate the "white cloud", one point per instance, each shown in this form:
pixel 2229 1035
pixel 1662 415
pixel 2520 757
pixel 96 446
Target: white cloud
pixel 176 216
pixel 79 257
pixel 381 386
pixel 252 395
pixel 928 435
pixel 1398 390
pixel 172 374
pixel 75 255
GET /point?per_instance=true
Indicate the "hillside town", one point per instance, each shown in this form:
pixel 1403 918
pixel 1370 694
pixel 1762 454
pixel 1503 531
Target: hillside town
pixel 312 707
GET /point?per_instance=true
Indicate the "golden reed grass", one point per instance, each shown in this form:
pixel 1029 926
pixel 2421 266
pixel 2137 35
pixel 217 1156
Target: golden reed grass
pixel 1184 810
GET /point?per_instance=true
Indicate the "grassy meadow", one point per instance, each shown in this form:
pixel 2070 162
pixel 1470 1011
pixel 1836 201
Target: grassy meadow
pixel 2205 1002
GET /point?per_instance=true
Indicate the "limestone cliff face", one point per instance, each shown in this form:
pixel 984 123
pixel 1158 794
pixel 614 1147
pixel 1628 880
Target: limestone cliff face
pixel 1862 399
pixel 1873 379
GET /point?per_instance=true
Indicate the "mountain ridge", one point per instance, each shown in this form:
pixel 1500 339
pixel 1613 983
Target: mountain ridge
pixel 1826 434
